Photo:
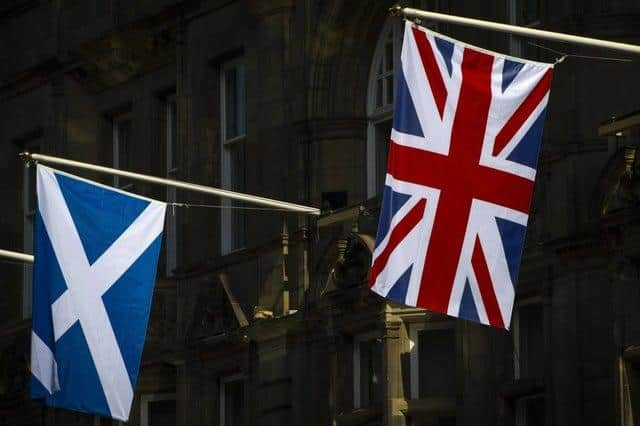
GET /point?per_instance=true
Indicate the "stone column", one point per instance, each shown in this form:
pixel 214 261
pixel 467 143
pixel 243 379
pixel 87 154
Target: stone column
pixel 392 372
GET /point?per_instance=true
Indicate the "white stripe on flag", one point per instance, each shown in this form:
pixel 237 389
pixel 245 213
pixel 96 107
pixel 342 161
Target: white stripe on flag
pixel 43 364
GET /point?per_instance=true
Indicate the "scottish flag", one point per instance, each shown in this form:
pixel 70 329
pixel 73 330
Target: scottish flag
pixel 96 253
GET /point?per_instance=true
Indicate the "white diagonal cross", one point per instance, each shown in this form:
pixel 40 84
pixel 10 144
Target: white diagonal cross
pixel 86 284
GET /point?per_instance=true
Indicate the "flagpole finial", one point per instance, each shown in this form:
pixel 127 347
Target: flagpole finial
pixel 25 156
pixel 396 10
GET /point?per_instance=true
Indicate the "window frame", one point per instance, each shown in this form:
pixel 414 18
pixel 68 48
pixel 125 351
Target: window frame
pixel 145 399
pixel 519 411
pixel 414 345
pixel 238 377
pixel 629 387
pixel 171 172
pixel 357 339
pixel 513 11
pixel 115 132
pixel 377 115
pixel 515 332
pixel 97 420
pixel 226 214
pixel 28 225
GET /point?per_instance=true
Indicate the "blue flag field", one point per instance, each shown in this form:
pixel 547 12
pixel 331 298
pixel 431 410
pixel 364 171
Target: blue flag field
pixel 96 254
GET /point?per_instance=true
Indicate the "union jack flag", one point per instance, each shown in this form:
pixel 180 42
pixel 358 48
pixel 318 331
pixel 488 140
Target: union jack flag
pixel 462 161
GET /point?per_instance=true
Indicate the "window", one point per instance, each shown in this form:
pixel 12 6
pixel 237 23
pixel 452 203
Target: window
pixel 524 13
pixel 232 106
pixel 431 421
pixel 171 124
pixel 101 421
pixel 367 371
pixel 29 202
pixel 380 103
pixel 528 12
pixel 122 149
pixel 232 401
pixel 630 386
pixel 528 335
pixel 380 96
pixel 530 411
pixel 158 410
pixel 433 360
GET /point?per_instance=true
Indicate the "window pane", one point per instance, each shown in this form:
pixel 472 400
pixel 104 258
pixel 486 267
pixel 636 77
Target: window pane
pixel 236 158
pixel 31 190
pixel 123 135
pixel 235 152
pixel 379 93
pixel 124 138
pixel 240 100
pixel 161 413
pixel 234 403
pixel 235 102
pixel 103 7
pixel 447 421
pixel 631 393
pixel 389 90
pixel 230 103
pixel 531 341
pixel 388 56
pixel 436 349
pixel 530 411
pixel 529 11
pixel 172 134
pixel 237 231
pixel 382 136
pixel 370 372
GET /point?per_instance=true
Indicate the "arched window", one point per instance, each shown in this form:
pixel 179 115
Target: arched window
pixel 380 96
pixel 380 102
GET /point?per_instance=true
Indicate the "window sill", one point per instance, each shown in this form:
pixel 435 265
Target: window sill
pixel 632 353
pixel 233 252
pixel 442 406
pixel 361 415
pixel 522 387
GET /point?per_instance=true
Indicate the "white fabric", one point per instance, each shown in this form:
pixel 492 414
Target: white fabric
pixel 83 303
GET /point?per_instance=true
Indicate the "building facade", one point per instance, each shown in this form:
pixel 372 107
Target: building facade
pixel 263 317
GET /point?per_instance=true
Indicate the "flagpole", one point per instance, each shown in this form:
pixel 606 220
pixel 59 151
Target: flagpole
pixel 14 255
pixel 254 199
pixel 514 29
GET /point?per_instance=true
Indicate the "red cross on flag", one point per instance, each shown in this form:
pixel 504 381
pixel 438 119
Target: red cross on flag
pixel 464 147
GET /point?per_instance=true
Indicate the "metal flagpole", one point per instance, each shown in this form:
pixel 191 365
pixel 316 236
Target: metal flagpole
pixel 254 199
pixel 513 29
pixel 14 255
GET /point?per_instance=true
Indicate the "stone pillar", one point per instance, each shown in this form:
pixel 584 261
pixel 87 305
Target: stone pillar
pixel 182 395
pixel 274 395
pixel 392 372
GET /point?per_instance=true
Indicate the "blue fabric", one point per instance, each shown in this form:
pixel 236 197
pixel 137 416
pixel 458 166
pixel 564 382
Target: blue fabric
pixel 526 152
pixel 80 388
pixel 468 308
pixel 446 50
pixel 391 202
pixel 512 235
pixel 405 118
pixel 128 323
pixel 48 284
pixel 100 216
pixel 509 71
pixel 398 292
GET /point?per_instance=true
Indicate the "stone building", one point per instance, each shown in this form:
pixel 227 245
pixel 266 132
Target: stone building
pixel 264 318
